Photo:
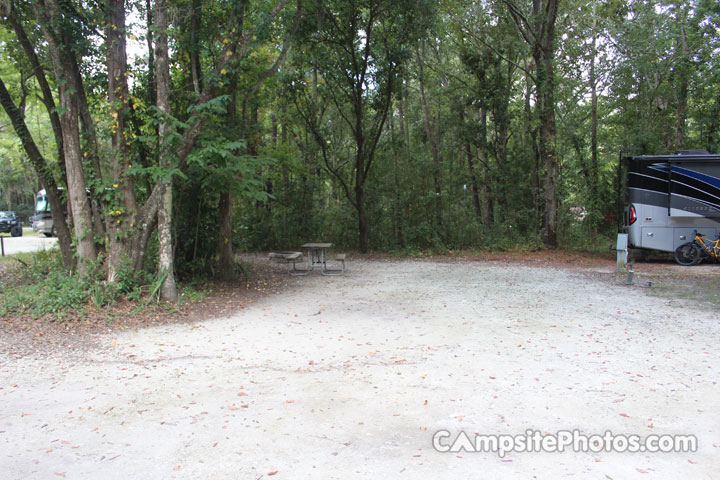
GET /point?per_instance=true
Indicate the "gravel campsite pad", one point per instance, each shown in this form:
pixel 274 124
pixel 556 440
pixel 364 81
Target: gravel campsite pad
pixel 351 376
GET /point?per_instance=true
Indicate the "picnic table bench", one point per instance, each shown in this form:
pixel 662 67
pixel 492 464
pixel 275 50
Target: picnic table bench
pixel 290 259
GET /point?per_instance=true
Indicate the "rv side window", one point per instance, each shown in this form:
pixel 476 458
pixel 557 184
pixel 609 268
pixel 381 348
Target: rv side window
pixel 42 205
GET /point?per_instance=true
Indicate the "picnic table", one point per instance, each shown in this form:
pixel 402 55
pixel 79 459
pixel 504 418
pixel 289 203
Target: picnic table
pixel 315 256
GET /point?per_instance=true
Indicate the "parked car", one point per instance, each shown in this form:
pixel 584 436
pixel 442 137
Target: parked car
pixel 10 223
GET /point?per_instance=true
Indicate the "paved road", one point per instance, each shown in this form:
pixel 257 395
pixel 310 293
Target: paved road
pixel 26 243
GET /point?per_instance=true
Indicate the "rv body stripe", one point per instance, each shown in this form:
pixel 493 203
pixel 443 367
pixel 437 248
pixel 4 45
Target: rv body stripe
pixel 691 187
pixel 710 180
pixel 654 177
pixel 695 199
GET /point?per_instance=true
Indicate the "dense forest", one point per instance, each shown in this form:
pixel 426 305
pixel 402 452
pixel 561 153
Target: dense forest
pixel 201 127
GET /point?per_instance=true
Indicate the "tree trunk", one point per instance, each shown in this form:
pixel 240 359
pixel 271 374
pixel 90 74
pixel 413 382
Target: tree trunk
pixel 486 200
pixel 683 72
pixel 471 171
pixel 168 291
pixel 530 145
pixel 545 15
pixel 430 131
pixel 406 116
pixel 195 69
pixel 550 164
pixel 225 265
pixel 52 24
pixel 77 192
pixel 594 98
pixel 166 256
pixel 540 36
pixel 39 73
pixel 397 197
pixel 118 96
pixel 152 79
pixel 362 217
pixel 474 184
pixel 226 259
pixel 593 178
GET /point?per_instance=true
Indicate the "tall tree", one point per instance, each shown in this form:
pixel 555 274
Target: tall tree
pixel 358 49
pixel 58 30
pixel 166 257
pixel 433 130
pixel 538 30
pixel 125 204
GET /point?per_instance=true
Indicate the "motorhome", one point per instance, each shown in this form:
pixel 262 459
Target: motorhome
pixel 42 221
pixel 669 197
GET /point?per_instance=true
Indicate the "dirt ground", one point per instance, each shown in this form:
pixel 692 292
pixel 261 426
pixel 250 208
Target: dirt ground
pixel 350 377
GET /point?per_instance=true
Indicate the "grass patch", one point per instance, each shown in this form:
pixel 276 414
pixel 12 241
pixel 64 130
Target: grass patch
pixel 17 258
pixel 697 289
pixel 37 284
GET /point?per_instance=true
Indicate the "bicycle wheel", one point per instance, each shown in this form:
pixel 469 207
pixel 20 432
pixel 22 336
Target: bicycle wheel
pixel 687 254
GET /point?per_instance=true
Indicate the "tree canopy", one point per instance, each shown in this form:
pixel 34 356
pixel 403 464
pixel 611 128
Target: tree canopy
pixel 181 131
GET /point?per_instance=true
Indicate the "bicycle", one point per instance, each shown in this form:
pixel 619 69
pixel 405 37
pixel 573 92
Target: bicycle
pixel 699 249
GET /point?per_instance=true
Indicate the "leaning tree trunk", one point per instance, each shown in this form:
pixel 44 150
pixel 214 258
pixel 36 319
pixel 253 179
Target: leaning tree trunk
pixel 44 174
pixel 59 42
pixel 39 72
